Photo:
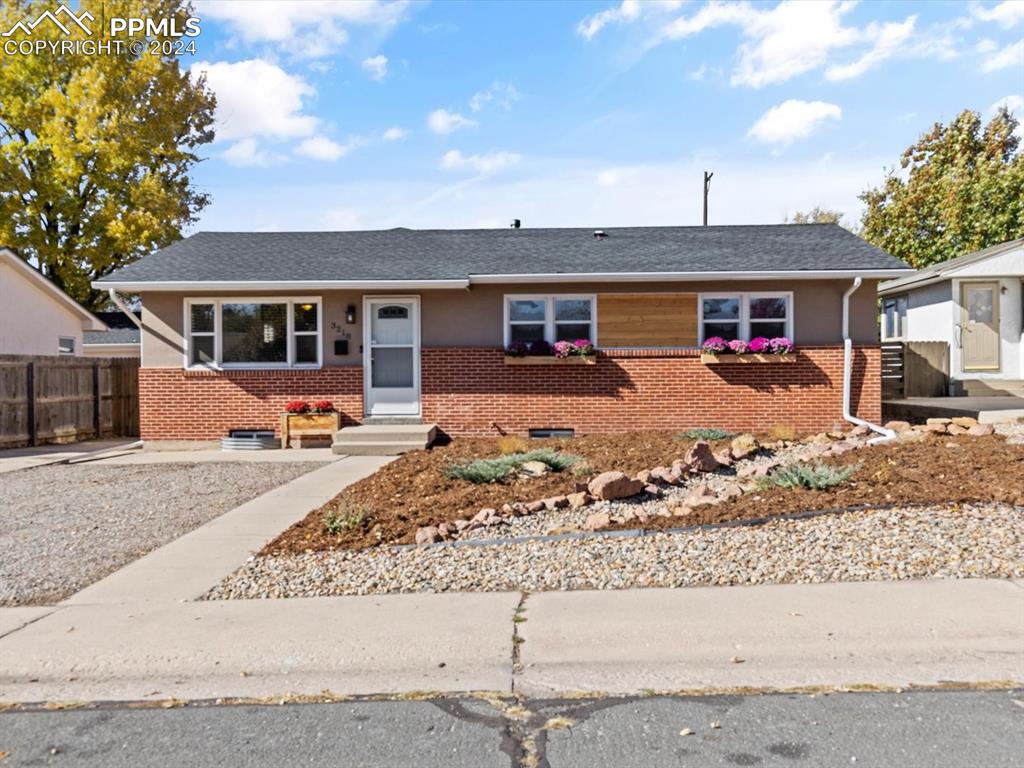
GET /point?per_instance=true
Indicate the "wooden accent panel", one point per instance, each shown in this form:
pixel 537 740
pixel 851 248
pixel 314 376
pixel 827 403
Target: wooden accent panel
pixel 647 320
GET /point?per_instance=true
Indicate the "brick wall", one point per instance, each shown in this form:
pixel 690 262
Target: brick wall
pixel 472 391
pixel 467 390
pixel 203 405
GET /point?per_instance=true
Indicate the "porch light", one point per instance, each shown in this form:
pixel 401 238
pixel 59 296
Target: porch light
pixel 350 313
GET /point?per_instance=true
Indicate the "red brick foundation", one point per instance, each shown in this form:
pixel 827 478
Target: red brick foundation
pixel 175 404
pixel 470 391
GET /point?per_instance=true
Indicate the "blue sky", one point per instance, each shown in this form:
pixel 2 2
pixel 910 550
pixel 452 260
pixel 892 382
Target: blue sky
pixel 598 114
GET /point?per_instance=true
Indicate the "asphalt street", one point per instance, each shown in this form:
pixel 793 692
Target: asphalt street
pixel 921 729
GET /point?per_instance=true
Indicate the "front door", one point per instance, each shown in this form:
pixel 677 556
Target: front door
pixel 391 357
pixel 980 326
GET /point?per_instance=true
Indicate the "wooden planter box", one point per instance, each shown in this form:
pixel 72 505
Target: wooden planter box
pixel 551 360
pixel 749 358
pixel 308 425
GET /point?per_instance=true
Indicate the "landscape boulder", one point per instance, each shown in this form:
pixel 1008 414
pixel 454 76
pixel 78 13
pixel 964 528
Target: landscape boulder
pixel 744 446
pixel 427 535
pixel 700 458
pixel 897 426
pixel 980 430
pixel 614 485
pixel 597 521
pixel 724 457
pixel 556 502
pixel 533 469
pixel 578 499
pixel 534 507
pixel 965 421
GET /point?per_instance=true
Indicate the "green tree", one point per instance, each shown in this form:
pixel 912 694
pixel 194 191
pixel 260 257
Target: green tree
pixel 960 189
pixel 95 150
pixel 816 215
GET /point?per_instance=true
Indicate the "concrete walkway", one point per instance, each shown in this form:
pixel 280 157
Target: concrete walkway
pixel 12 459
pixel 876 633
pixel 190 565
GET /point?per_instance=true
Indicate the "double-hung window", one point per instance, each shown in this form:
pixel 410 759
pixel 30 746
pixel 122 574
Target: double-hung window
pixel 549 318
pixel 253 333
pixel 746 315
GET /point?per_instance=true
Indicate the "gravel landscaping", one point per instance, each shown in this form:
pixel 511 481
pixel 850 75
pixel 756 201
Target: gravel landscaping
pixel 947 541
pixel 64 527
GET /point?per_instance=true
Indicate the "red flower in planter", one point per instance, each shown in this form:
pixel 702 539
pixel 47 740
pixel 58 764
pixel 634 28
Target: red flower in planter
pixel 323 406
pixel 297 406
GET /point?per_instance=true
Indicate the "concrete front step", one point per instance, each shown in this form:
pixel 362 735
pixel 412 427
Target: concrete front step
pixel 383 439
pixel 993 387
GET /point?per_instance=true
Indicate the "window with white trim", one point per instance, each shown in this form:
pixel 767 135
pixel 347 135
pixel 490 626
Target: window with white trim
pixel 253 333
pixel 745 315
pixel 894 317
pixel 66 345
pixel 550 318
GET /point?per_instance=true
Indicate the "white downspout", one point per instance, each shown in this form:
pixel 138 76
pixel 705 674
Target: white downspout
pixel 884 435
pixel 119 303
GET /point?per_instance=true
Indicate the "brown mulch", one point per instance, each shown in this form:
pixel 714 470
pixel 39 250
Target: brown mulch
pixel 412 491
pixel 978 469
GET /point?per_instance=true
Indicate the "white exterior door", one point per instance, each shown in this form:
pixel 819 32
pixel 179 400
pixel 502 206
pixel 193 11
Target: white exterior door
pixel 391 356
pixel 980 326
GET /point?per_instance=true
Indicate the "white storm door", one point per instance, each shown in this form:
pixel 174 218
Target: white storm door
pixel 391 358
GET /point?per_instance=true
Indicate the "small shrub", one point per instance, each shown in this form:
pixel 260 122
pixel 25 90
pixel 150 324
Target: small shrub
pixel 582 469
pixel 482 471
pixel 782 432
pixel 818 477
pixel 345 517
pixel 512 444
pixel 706 433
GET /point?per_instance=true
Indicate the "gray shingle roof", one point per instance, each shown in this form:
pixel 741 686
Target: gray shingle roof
pixel 113 336
pixel 445 254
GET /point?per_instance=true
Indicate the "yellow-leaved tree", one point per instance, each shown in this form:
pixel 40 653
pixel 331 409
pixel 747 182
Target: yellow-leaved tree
pixel 96 149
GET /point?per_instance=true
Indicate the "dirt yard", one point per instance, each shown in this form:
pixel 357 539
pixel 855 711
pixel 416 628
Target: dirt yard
pixel 413 491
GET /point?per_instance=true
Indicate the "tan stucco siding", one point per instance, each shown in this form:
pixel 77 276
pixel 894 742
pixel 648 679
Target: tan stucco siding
pixel 32 320
pixel 474 317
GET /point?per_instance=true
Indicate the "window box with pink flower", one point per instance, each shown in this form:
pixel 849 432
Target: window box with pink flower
pixel 718 351
pixel 579 352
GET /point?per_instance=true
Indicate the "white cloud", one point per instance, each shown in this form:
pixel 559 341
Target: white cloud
pixel 376 67
pixel 394 133
pixel 1006 14
pixel 248 152
pixel 889 39
pixel 986 45
pixel 503 94
pixel 1010 56
pixel 307 28
pixel 1014 102
pixel 610 177
pixel 443 122
pixel 454 160
pixel 790 38
pixel 626 11
pixel 698 73
pixel 792 120
pixel 257 98
pixel 322 148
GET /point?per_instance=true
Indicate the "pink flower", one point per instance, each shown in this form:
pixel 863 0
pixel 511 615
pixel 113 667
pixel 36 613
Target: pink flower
pixel 758 344
pixel 562 348
pixel 714 345
pixel 738 346
pixel 780 345
pixel 583 347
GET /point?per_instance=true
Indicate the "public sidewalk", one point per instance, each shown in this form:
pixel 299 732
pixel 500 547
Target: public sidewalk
pixel 872 633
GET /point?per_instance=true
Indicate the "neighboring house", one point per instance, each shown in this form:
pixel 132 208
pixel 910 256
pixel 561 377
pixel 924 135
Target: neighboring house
pixel 37 317
pixel 121 340
pixel 404 324
pixel 974 303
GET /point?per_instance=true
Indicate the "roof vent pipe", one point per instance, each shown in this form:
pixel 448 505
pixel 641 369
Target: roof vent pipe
pixel 884 435
pixel 600 234
pixel 516 223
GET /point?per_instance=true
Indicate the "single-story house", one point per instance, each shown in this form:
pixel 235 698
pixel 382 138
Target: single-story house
pixel 123 339
pixel 37 317
pixel 974 303
pixel 415 324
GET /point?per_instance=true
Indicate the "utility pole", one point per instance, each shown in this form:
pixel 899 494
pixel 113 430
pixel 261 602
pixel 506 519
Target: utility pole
pixel 707 186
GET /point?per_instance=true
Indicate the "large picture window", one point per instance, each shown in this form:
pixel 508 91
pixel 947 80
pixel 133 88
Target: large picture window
pixel 549 318
pixel 253 333
pixel 746 315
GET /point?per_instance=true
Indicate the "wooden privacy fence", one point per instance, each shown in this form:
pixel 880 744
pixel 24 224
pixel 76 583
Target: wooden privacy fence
pixel 63 399
pixel 915 369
